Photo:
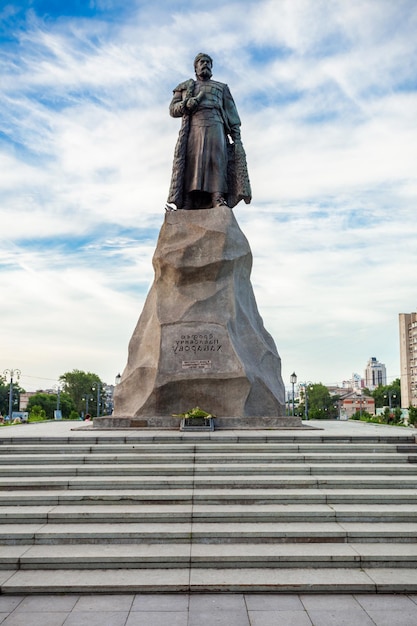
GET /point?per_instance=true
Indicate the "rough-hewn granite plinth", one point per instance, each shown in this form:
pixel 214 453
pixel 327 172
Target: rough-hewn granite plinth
pixel 200 340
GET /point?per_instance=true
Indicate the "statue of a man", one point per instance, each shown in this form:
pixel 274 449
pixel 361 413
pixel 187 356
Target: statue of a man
pixel 209 167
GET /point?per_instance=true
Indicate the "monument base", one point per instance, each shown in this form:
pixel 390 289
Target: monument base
pixel 220 423
pixel 200 340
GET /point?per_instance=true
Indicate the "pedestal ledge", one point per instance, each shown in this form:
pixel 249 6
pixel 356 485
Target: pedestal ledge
pixel 223 423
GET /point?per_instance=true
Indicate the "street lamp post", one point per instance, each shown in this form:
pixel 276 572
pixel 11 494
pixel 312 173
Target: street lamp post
pixel 11 373
pixel 306 385
pixel 360 405
pixel 87 399
pixel 293 380
pixel 58 415
pixel 391 394
pixel 98 384
pixel 306 405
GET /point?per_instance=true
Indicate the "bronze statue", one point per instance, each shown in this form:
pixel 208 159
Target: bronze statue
pixel 209 166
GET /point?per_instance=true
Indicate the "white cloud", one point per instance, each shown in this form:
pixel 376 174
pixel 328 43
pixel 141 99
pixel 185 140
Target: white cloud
pixel 326 93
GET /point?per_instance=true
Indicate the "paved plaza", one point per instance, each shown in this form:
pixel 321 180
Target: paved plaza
pixel 232 609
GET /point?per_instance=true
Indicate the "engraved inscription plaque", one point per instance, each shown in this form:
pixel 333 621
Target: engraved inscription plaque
pixel 205 347
pixel 196 365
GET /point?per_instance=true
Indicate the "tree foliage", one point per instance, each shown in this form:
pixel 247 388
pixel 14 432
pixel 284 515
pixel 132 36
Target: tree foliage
pixel 36 413
pixel 412 415
pixel 4 395
pixel 78 385
pixel 320 404
pixel 49 401
pixel 383 393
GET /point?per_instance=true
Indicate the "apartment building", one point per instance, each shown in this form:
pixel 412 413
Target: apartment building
pixel 375 374
pixel 408 359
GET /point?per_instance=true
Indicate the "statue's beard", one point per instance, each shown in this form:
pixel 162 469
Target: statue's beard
pixel 205 74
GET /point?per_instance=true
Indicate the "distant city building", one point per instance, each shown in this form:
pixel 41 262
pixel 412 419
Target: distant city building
pixel 356 382
pixel 375 374
pixel 24 399
pixel 355 402
pixel 26 396
pixel 408 359
pixel 336 390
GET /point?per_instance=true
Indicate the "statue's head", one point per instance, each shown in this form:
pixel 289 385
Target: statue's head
pixel 203 64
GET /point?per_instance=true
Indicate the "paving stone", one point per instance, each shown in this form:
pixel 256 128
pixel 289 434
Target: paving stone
pixel 380 601
pixel 356 617
pixel 389 617
pixel 9 603
pixel 329 602
pixel 48 603
pixel 279 618
pixel 217 602
pixel 104 602
pixel 159 618
pixel 273 602
pixel 219 618
pixel 97 618
pixel 39 619
pixel 161 602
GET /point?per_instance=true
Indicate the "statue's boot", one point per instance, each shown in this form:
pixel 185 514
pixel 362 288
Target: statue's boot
pixel 217 199
pixel 188 203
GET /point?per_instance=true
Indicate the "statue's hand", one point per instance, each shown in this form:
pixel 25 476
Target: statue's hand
pixel 192 104
pixel 235 135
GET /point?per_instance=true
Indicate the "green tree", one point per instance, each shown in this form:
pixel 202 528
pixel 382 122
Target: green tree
pixel 4 395
pixel 320 404
pixel 48 402
pixel 397 415
pixel 44 401
pixel 384 393
pixel 79 385
pixel 36 413
pixel 412 414
pixel 364 416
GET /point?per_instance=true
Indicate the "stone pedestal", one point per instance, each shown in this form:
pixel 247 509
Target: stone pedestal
pixel 200 340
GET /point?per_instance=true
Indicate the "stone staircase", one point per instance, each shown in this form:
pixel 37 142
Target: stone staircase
pixel 257 511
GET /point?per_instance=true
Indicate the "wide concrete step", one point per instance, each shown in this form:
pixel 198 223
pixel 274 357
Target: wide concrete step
pixel 237 555
pixel 283 481
pixel 240 469
pixel 207 532
pixel 169 497
pixel 136 513
pixel 212 448
pixel 199 579
pixel 238 459
pixel 208 512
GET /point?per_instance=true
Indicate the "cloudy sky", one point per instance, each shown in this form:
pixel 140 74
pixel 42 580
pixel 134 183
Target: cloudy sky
pixel 327 94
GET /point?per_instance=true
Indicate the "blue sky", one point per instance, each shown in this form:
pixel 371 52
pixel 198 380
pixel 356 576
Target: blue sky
pixel 327 94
